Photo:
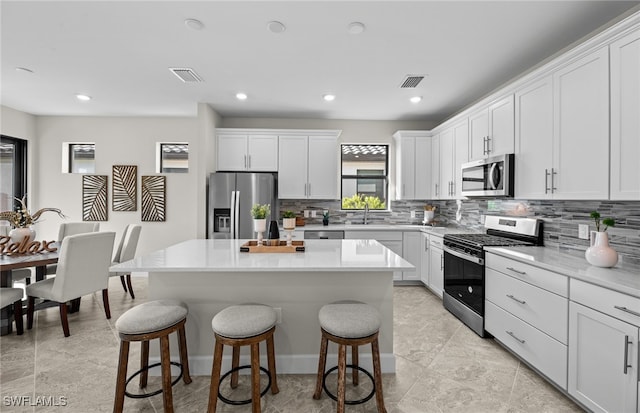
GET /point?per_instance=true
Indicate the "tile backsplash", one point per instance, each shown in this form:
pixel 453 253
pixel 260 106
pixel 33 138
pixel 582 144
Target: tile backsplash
pixel 561 218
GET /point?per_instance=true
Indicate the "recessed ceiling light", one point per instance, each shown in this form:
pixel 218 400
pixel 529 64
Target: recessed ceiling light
pixel 328 97
pixel 355 27
pixel 23 70
pixel 276 27
pixel 83 97
pixel 416 99
pixel 241 96
pixel 194 24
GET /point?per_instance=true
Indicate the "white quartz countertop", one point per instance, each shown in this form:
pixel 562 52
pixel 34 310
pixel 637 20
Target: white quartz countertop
pixel 624 279
pixel 387 227
pixel 207 255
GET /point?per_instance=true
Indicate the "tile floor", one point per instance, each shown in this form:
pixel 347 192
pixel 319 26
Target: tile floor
pixel 441 367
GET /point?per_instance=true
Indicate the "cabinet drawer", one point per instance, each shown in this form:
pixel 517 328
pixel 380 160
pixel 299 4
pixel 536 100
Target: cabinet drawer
pixel 435 241
pixel 544 353
pixel 619 305
pixel 546 311
pixel 377 235
pixel 549 280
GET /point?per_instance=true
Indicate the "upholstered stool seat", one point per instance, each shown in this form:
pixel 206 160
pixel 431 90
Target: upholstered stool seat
pixel 13 296
pixel 349 323
pixel 154 319
pixel 243 325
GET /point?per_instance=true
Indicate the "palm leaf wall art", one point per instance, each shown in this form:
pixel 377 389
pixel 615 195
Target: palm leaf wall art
pixel 125 187
pixel 153 198
pixel 94 197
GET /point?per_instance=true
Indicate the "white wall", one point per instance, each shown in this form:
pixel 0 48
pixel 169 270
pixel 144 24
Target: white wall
pixel 353 131
pixel 22 125
pixel 120 141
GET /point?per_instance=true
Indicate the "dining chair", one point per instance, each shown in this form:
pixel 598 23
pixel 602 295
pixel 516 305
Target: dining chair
pixel 125 252
pixel 72 228
pixel 9 296
pixel 83 268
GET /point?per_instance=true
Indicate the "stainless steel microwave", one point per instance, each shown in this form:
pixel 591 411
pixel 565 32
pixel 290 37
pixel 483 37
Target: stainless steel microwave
pixel 489 177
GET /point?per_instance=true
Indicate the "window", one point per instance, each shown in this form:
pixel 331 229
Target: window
pixel 364 176
pixel 13 172
pixel 174 157
pixel 82 158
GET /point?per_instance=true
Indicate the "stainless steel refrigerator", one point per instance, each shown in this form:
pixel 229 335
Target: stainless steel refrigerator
pixel 231 196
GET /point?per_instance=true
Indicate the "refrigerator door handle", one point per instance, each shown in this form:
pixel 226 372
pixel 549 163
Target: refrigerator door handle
pixel 232 226
pixel 236 213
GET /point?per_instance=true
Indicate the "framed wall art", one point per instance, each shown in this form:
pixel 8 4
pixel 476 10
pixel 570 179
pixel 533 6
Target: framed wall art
pixel 154 192
pixel 125 195
pixel 94 197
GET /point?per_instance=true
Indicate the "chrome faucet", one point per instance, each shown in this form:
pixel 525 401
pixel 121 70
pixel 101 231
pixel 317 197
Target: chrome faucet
pixel 365 221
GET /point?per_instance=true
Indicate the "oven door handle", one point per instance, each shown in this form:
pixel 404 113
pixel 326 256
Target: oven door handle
pixel 479 261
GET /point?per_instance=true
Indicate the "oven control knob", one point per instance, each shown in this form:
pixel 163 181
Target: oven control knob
pixel 470 289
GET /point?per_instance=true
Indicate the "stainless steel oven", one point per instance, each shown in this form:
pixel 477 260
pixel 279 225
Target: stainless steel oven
pixel 464 264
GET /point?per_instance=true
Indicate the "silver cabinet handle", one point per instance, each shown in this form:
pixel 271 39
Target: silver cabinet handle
pixel 245 162
pixel 546 181
pixel 488 145
pixel 514 336
pixel 515 299
pixel 626 354
pixel 249 162
pixel 514 270
pixel 553 180
pixel 626 310
pixel 441 262
pixel 309 188
pixel 436 189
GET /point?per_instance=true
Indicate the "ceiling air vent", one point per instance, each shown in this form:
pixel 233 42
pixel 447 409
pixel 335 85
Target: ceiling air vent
pixel 185 74
pixel 412 81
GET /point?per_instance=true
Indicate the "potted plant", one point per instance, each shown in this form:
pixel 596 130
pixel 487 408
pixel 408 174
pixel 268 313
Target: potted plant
pixel 288 220
pixel 325 218
pixel 21 220
pixel 599 252
pixel 259 214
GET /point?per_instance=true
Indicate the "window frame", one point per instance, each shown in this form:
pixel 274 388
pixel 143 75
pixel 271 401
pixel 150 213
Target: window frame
pixel 384 178
pixel 160 158
pixel 20 161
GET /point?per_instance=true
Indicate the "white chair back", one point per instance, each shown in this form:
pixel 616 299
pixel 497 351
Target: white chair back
pixel 74 228
pixel 83 265
pixel 128 243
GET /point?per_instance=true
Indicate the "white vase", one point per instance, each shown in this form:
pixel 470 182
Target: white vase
pixel 260 226
pixel 18 234
pixel 600 253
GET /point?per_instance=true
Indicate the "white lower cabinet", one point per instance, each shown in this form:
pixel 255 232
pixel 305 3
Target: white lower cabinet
pixel 603 348
pixel 412 252
pixel 390 239
pixel 436 265
pixel 424 246
pixel 526 310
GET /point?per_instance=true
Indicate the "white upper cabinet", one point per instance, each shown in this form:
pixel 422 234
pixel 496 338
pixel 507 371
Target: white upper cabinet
pixel 625 118
pixel 435 167
pixel 413 167
pixel 581 128
pixel 454 151
pixel 246 152
pixel 491 130
pixel 308 167
pixel 534 140
pixel 562 124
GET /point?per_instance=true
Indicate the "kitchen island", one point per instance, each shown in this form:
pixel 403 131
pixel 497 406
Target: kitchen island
pixel 210 275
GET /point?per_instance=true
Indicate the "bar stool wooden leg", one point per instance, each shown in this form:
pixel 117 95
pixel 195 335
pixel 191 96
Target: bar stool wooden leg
pixel 354 361
pixel 118 405
pixel 144 363
pixel 235 362
pixel 165 359
pixel 342 366
pixel 215 377
pixel 377 375
pixel 184 356
pixel 322 364
pixel 255 377
pixel 271 359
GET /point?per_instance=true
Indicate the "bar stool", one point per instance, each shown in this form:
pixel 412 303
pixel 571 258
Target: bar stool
pixel 154 319
pixel 349 323
pixel 243 325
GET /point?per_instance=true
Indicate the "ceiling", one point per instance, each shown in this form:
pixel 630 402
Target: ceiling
pixel 119 53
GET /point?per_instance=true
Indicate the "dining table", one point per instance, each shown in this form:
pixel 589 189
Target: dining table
pixel 9 262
